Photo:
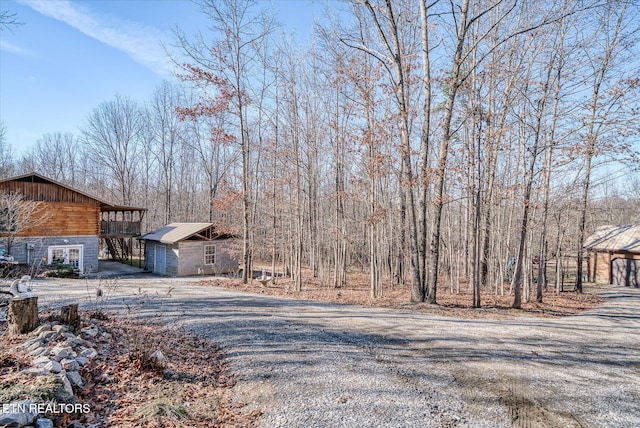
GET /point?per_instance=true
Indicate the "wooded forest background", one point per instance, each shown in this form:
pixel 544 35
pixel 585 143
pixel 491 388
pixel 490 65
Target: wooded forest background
pixel 424 142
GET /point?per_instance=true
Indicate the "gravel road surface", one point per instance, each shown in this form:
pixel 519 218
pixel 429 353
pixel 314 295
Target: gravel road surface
pixel 310 364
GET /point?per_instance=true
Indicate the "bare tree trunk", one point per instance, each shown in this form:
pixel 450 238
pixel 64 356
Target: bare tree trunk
pixel 423 173
pixel 592 137
pixel 69 315
pixel 542 259
pixel 394 48
pixel 520 262
pixel 443 150
pixel 22 316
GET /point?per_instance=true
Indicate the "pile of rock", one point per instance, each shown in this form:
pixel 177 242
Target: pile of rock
pixel 58 352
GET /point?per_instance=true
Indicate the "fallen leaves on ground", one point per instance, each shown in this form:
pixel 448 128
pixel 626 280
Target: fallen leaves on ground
pixel 190 387
pixel 452 302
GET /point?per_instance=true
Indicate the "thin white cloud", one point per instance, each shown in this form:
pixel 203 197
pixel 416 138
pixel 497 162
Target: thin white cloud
pixel 11 48
pixel 141 42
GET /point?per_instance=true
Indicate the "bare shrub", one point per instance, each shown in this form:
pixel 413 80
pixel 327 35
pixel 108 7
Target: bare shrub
pixel 100 294
pixel 143 335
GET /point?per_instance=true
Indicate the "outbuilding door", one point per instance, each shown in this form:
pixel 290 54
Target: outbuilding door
pixel 625 272
pixel 160 260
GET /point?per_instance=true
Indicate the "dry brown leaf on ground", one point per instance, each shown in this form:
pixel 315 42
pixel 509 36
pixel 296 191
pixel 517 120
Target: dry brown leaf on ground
pixel 456 303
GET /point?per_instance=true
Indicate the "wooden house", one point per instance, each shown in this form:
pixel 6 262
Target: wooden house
pixel 614 255
pixel 183 249
pixel 68 226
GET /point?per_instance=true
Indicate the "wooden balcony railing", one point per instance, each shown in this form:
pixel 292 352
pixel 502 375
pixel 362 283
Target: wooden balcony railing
pixel 119 228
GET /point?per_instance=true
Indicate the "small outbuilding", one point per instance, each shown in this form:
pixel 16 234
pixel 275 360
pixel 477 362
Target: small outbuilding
pixel 183 249
pixel 614 255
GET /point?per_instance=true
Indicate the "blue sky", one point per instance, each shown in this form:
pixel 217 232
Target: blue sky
pixel 69 56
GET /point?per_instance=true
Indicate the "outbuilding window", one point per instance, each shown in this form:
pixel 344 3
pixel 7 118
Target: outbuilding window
pixel 209 254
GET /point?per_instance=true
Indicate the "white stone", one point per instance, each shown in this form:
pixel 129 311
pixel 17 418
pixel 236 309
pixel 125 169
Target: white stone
pixel 44 423
pixel 60 352
pixel 53 367
pixel 75 379
pixel 43 350
pixel 82 360
pixel 60 329
pixel 48 335
pixel 40 361
pixel 33 345
pixel 40 329
pixel 157 357
pixel 18 414
pixel 30 342
pixel 90 331
pixel 89 353
pixel 69 364
pixel 65 383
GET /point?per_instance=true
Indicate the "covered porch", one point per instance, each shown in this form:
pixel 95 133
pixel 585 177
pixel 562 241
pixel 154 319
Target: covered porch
pixel 119 226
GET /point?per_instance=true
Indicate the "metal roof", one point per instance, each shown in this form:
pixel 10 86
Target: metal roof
pixel 615 238
pixel 175 232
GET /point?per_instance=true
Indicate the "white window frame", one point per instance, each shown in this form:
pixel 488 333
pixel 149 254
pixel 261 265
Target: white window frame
pixel 205 254
pixel 66 249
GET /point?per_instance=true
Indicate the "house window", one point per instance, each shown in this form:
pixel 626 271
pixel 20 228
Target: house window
pixel 209 254
pixel 66 254
pixel 57 256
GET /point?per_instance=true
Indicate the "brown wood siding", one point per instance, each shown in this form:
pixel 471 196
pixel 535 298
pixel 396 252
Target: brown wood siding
pixel 67 219
pixel 47 192
pixel 600 263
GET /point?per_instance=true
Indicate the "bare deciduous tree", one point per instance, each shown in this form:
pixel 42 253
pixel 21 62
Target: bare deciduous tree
pixel 8 20
pixel 113 135
pixel 6 154
pixel 238 33
pixel 56 156
pixel 19 215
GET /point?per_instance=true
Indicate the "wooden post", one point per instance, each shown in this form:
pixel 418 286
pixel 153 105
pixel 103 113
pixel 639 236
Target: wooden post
pixel 22 316
pixel 69 316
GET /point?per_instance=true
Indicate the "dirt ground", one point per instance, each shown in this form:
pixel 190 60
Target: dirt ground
pixel 123 387
pixel 450 302
pixel 308 363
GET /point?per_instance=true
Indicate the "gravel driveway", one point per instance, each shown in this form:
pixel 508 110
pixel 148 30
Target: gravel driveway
pixel 309 364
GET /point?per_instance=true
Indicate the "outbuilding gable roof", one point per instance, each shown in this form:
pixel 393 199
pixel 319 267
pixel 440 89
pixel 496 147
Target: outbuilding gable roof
pixel 176 232
pixel 615 238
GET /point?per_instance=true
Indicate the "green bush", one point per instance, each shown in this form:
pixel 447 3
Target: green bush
pixel 63 271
